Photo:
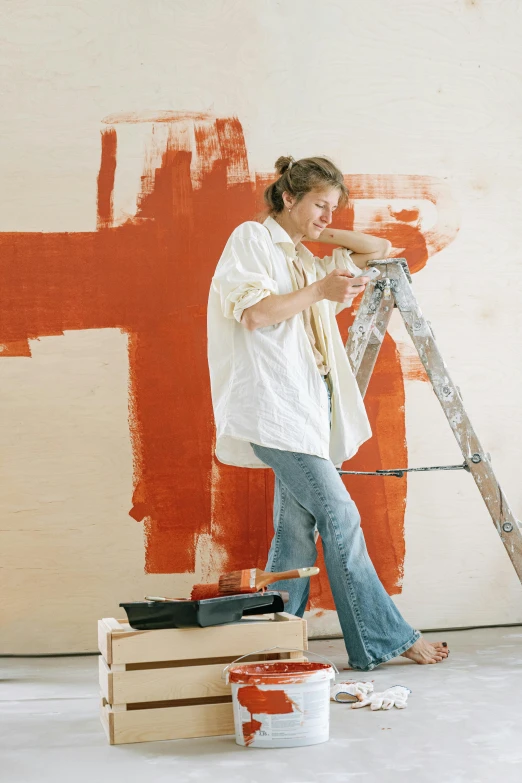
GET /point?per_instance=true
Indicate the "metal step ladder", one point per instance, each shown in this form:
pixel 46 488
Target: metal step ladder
pixel 393 289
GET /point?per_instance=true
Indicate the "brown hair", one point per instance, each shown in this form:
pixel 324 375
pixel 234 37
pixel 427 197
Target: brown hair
pixel 299 177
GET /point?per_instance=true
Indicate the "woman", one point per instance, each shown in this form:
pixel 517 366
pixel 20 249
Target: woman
pixel 284 396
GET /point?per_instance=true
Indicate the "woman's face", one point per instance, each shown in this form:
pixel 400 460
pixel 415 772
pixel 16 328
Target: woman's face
pixel 314 212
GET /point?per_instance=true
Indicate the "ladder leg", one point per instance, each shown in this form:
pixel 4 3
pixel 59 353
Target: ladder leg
pixel 449 397
pixel 367 333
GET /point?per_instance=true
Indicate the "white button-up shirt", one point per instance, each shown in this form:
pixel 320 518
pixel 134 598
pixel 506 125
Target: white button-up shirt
pixel 265 384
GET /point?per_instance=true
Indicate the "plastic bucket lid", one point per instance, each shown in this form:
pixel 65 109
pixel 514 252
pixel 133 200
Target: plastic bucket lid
pixel 280 672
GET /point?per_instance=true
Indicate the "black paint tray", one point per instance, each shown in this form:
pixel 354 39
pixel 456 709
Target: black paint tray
pixel 152 615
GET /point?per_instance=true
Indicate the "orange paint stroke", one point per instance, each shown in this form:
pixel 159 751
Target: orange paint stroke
pixel 249 730
pixel 405 215
pixel 412 367
pixel 106 178
pixel 150 278
pixel 261 702
pixel 15 348
pixel 410 187
pixel 133 117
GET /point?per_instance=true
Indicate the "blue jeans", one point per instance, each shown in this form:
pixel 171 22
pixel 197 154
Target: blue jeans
pixel 309 492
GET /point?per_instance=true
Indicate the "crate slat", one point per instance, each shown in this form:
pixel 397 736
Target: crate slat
pixel 198 720
pixel 125 645
pixel 162 684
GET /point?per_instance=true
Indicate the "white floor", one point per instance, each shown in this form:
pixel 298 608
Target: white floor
pixel 463 724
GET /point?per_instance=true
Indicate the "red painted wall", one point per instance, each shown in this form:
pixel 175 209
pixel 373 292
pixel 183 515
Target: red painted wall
pixel 150 278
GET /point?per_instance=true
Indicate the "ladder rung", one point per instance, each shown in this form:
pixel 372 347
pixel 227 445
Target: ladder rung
pixel 399 472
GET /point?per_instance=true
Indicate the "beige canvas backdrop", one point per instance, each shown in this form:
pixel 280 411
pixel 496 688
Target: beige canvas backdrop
pixel 402 88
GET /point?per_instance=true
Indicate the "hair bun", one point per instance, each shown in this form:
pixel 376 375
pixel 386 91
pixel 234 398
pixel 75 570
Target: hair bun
pixel 284 163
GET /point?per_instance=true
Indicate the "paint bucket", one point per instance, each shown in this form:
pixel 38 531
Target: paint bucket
pixel 281 704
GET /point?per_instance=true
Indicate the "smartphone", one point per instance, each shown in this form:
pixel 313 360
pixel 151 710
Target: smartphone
pixel 372 273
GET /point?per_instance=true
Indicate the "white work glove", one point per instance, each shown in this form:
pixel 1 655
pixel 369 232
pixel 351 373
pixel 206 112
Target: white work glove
pixel 385 700
pixel 350 691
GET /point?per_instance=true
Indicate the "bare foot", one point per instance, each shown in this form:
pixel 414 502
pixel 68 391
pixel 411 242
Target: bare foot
pixel 427 652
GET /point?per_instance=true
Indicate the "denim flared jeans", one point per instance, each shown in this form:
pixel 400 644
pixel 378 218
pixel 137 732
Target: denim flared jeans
pixel 310 493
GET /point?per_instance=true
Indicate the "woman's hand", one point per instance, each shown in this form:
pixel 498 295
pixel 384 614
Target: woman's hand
pixel 338 286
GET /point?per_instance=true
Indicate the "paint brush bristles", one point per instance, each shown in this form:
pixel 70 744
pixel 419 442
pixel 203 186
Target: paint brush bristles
pixel 203 592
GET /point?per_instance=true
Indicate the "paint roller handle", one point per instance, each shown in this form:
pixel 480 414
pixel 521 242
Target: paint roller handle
pixel 161 598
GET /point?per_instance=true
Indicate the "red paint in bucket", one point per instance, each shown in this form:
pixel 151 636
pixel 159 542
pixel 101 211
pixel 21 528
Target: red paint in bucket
pixel 279 672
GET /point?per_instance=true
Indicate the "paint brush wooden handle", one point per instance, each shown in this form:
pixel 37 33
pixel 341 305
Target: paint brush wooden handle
pixel 296 573
pixel 251 580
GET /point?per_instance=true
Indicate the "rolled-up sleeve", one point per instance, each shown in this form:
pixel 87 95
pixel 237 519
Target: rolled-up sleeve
pixel 340 259
pixel 243 276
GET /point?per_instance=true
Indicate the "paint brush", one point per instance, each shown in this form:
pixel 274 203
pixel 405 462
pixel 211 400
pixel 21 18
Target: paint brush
pixel 203 592
pixel 251 580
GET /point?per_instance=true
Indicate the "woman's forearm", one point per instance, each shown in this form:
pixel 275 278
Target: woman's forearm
pixel 278 307
pixel 354 240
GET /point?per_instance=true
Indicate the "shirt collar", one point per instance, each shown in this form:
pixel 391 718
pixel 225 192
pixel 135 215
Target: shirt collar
pixel 280 237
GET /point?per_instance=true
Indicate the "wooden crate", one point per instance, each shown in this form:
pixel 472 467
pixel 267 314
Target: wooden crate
pixel 167 684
